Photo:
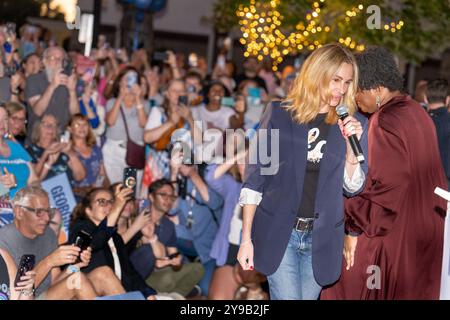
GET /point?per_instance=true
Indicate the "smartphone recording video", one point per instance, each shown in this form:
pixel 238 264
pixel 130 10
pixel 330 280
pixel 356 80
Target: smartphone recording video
pixel 129 179
pixel 68 68
pixel 65 138
pixel 132 78
pixel 228 102
pixel 183 100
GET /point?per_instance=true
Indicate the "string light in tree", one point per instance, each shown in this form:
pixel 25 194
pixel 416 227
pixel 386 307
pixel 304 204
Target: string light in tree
pixel 260 23
pixel 262 36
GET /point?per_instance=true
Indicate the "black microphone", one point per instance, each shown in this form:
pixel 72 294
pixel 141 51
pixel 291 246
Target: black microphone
pixel 342 113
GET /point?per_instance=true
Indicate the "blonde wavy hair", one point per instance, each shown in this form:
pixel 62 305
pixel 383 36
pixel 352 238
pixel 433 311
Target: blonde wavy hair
pixel 311 87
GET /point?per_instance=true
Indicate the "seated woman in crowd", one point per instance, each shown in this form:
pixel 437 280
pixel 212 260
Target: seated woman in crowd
pixel 97 215
pixel 16 170
pixel 86 149
pixel 17 122
pixel 52 157
pixel 8 271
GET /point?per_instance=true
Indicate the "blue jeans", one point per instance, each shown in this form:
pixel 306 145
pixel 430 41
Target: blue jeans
pixel 294 278
pixel 187 248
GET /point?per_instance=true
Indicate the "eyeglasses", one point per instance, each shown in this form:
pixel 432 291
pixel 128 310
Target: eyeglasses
pixel 167 196
pixel 53 58
pixel 39 212
pixel 49 125
pixel 21 120
pixel 104 202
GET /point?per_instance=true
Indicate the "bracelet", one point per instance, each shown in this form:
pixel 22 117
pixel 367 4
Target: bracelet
pixel 140 106
pixel 47 166
pixel 246 242
pixel 27 293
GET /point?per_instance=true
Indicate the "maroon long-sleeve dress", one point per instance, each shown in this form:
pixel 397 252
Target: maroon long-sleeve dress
pixel 400 219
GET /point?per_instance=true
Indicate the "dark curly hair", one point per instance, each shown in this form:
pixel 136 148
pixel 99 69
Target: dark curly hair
pixel 437 91
pixel 158 184
pixel 377 68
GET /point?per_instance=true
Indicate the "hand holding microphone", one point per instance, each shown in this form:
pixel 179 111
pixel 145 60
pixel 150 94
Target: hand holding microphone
pixel 352 129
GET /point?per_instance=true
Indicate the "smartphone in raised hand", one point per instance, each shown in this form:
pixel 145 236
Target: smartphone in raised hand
pixel 228 102
pixel 132 79
pixel 26 264
pixel 68 67
pixel 144 204
pixel 129 179
pixel 65 137
pixel 183 100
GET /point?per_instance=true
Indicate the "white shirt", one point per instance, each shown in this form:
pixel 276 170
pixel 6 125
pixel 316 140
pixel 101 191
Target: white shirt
pixel 219 119
pixel 117 268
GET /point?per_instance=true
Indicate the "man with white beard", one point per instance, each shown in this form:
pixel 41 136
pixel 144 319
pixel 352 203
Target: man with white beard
pixel 51 91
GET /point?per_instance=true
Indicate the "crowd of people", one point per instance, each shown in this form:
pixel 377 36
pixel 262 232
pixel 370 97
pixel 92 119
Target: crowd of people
pixel 190 227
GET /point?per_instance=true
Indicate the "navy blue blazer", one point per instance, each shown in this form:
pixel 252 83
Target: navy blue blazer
pixel 281 195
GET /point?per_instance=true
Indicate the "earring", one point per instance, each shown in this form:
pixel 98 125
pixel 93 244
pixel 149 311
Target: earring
pixel 378 101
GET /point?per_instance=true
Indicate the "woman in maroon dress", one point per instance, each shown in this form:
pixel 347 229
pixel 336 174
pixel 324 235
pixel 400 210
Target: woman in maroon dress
pixel 395 227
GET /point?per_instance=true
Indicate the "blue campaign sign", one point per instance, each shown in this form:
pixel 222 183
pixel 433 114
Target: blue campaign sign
pixel 61 197
pixel 6 213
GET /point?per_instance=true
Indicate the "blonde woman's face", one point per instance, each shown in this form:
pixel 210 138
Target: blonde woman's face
pixel 49 128
pixel 340 83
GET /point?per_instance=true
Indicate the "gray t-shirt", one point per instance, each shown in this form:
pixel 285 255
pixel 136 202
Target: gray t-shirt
pixel 17 245
pixel 5 89
pixel 59 103
pixel 117 131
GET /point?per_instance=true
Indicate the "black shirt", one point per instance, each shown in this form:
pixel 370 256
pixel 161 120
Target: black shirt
pixel 441 120
pixel 317 139
pixel 102 255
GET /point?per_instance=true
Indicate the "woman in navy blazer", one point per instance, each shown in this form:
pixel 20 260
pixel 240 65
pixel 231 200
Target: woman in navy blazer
pixel 293 220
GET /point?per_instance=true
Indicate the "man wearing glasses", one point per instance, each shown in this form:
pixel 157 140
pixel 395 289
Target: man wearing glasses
pixel 53 91
pixel 166 273
pixel 30 234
